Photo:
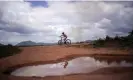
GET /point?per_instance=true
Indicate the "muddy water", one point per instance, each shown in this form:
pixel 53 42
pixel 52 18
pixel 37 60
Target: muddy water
pixel 77 65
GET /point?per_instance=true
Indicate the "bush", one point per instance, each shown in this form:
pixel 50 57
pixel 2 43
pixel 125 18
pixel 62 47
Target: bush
pixel 126 42
pixel 8 50
pixel 108 38
pixel 98 43
pixel 116 37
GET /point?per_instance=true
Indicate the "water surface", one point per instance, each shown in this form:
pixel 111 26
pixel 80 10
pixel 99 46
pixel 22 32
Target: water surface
pixel 77 65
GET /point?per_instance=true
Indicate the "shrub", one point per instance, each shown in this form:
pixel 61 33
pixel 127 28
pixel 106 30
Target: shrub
pixel 98 43
pixel 126 41
pixel 8 50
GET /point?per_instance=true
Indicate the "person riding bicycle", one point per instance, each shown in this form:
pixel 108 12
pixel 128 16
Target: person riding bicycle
pixel 64 36
pixel 66 63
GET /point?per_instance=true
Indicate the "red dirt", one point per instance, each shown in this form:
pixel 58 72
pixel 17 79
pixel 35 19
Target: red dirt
pixel 46 53
pixel 51 53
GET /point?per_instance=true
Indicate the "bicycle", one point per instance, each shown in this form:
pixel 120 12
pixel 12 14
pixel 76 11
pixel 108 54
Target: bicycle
pixel 61 41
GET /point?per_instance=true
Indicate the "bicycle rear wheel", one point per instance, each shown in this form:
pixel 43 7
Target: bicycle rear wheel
pixel 68 41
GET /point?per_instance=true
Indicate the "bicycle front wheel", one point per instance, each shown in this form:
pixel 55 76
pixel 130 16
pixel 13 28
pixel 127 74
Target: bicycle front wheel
pixel 59 42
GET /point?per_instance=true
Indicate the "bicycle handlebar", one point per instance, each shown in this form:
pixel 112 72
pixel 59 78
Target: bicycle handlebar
pixel 61 36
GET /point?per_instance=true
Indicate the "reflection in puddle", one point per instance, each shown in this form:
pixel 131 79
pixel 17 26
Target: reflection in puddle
pixel 77 65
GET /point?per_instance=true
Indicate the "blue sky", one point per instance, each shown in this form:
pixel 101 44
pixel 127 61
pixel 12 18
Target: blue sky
pixel 38 3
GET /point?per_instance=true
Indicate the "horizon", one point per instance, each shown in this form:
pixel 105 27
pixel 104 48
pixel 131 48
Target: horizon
pixel 40 42
pixel 44 21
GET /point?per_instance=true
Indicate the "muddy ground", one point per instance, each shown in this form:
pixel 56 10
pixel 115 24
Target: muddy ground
pixel 51 54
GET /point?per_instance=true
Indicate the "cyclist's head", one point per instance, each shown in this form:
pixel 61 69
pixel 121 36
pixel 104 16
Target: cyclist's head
pixel 62 32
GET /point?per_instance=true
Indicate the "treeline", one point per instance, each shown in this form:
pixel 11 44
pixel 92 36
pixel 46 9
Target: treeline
pixel 117 41
pixel 8 50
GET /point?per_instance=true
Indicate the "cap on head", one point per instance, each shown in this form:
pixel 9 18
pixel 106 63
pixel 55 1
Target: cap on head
pixel 62 32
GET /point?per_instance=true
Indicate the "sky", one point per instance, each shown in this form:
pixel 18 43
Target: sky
pixel 44 21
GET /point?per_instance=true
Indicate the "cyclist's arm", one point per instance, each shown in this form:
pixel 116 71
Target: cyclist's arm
pixel 61 36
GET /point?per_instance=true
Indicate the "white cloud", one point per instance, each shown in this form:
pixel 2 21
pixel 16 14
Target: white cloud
pixel 80 20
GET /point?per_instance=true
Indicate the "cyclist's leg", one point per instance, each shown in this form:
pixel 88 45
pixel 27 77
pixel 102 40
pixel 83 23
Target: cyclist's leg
pixel 66 63
pixel 65 40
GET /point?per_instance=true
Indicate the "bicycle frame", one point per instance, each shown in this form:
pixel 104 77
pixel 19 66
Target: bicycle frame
pixel 62 40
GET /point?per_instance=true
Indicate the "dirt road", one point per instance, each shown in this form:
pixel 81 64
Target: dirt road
pixel 46 53
pixel 54 53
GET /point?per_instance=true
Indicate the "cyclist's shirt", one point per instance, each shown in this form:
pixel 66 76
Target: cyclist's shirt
pixel 64 35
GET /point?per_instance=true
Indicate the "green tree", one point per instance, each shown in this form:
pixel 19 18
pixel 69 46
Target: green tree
pixel 107 38
pixel 131 33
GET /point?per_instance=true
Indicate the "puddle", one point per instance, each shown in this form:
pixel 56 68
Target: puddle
pixel 77 65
